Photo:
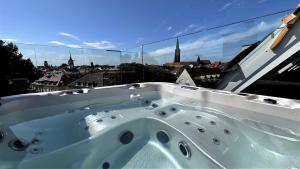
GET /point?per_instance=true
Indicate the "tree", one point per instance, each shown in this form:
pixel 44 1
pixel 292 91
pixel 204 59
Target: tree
pixel 148 73
pixel 46 65
pixel 12 66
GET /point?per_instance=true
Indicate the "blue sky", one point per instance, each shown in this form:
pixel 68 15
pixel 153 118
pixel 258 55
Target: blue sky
pixel 120 24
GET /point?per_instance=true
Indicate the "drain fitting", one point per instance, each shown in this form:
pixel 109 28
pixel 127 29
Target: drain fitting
pixel 162 113
pixel 36 141
pixel 18 145
pixel 105 165
pixel 226 131
pixel 173 109
pixel 162 137
pixel 216 141
pixel 187 123
pixel 35 150
pixel 198 117
pixel 126 137
pixel 201 130
pixel 2 136
pixel 154 105
pixel 147 102
pixel 184 149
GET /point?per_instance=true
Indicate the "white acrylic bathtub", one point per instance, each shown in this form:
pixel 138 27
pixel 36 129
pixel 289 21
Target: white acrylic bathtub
pixel 150 125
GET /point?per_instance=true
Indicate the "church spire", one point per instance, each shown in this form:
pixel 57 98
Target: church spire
pixel 177 44
pixel 177 52
pixel 71 61
pixel 198 60
pixel 70 56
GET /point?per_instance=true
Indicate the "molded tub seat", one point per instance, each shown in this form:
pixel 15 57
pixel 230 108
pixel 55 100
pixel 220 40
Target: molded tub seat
pixel 142 143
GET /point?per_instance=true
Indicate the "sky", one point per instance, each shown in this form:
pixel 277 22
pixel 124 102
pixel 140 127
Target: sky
pixel 86 28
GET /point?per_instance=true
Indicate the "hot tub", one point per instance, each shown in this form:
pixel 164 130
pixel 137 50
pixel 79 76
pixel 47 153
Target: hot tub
pixel 149 125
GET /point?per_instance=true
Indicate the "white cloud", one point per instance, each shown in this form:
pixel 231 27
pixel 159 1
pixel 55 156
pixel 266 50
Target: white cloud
pixel 198 28
pixel 169 28
pixel 227 5
pixel 189 28
pixel 162 51
pixel 56 43
pixel 139 40
pixel 97 44
pixel 28 43
pixel 178 33
pixel 261 27
pixel 69 35
pixel 214 40
pixel 261 1
pixel 192 26
pixel 10 40
pixel 73 46
pixel 65 45
pixel 100 45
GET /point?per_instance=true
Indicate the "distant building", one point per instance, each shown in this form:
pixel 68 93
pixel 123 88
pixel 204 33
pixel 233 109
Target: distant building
pixel 106 67
pixel 205 63
pixel 189 64
pixel 198 60
pixel 217 64
pixel 52 81
pixel 92 79
pixel 71 62
pixel 84 69
pixel 201 76
pixel 104 78
pixel 185 79
pixel 177 52
pixel 178 64
pixel 46 65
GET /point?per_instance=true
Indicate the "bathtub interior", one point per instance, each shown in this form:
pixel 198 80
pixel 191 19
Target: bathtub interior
pixel 142 143
pixel 86 134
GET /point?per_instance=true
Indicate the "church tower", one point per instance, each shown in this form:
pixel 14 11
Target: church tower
pixel 198 60
pixel 71 62
pixel 177 52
